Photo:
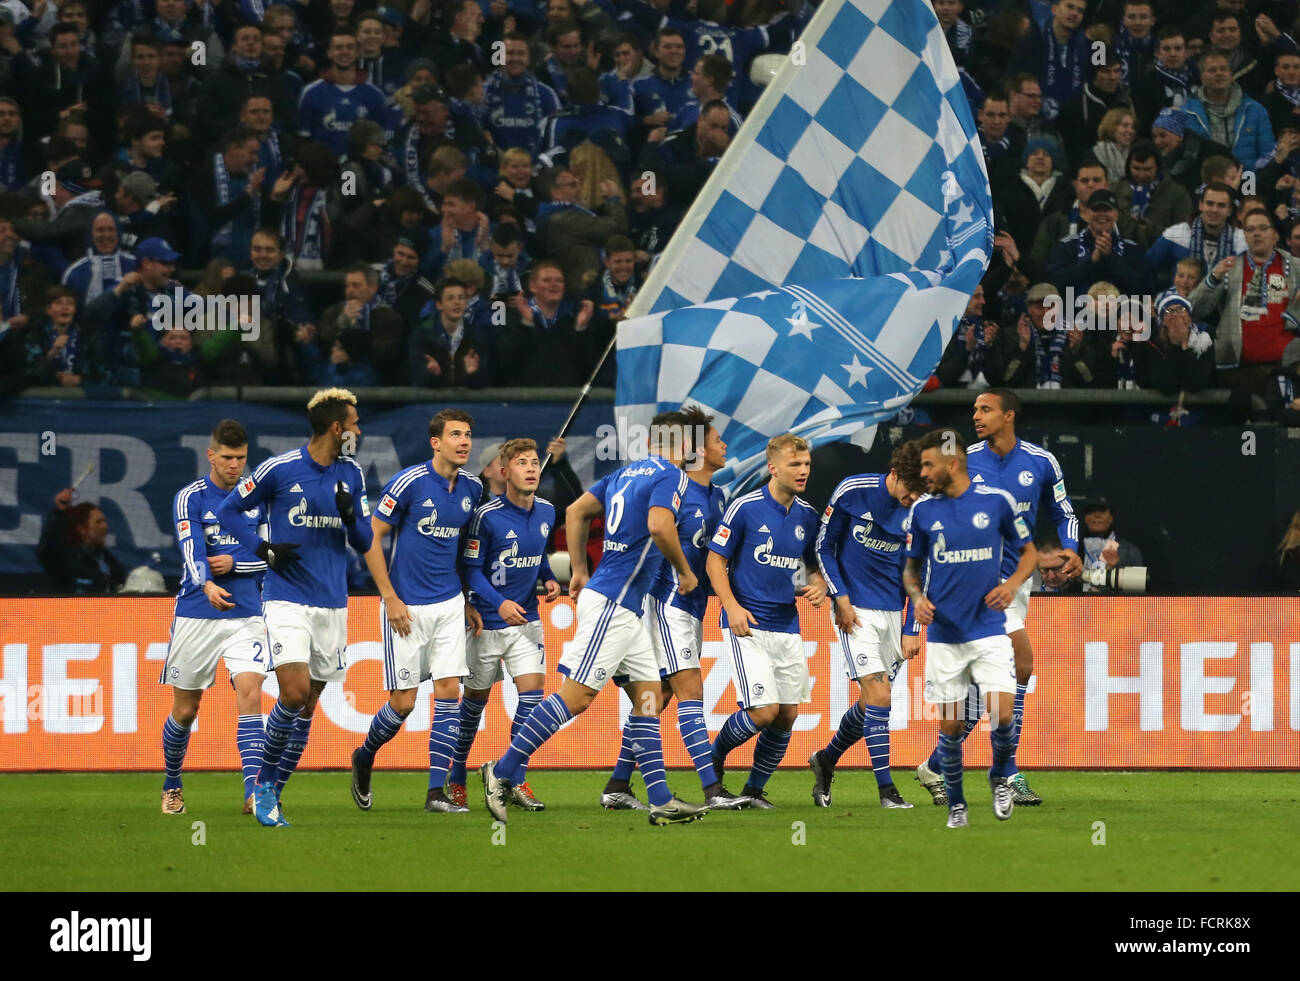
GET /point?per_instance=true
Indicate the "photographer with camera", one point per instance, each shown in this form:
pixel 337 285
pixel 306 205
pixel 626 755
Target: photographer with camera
pixel 1103 550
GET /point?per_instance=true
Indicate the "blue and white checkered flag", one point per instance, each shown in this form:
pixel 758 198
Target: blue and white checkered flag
pixel 861 160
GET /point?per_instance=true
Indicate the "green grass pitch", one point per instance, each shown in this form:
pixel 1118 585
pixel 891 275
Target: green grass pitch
pixel 1162 831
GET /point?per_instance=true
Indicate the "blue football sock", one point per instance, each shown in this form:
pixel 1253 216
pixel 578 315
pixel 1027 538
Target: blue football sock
pixel 849 732
pixel 543 722
pixel 736 731
pixel 1004 748
pixel 280 725
pixel 935 762
pixel 293 752
pixel 695 734
pixel 528 700
pixel 442 740
pixel 626 761
pixel 974 709
pixel 248 739
pixel 383 727
pixel 176 739
pixel 471 711
pixel 649 757
pixel 876 730
pixel 1018 717
pixel 769 751
pixel 950 752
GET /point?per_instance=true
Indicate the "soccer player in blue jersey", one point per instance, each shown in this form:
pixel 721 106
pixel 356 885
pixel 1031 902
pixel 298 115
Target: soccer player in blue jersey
pixel 676 624
pixel 861 550
pixel 504 558
pixel 754 557
pixel 218 616
pixel 1031 475
pixel 314 501
pixel 640 503
pixel 422 612
pixel 955 549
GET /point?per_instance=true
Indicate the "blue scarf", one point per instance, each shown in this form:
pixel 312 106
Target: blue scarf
pixel 391 284
pixel 314 230
pixel 541 321
pixel 161 93
pixel 1141 199
pixel 1049 356
pixel 227 188
pixel 1064 76
pixel 411 160
pixel 1183 79
pixel 363 319
pixel 11 164
pixel 975 364
pixel 246 65
pixel 67 359
pixel 11 298
pixel 1087 241
pixel 1132 52
pixel 1198 243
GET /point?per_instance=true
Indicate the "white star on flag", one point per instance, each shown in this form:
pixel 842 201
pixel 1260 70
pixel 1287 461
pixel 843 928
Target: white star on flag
pixel 801 326
pixel 964 214
pixel 857 372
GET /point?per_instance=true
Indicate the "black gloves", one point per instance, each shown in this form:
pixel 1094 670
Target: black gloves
pixel 278 557
pixel 343 501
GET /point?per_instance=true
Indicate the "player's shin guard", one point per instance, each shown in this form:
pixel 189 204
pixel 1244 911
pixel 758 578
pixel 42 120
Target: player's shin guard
pixel 471 711
pixel 950 755
pixel 528 700
pixel 769 751
pixel 1004 748
pixel 383 727
pixel 649 757
pixel 876 731
pixel 293 750
pixel 280 725
pixel 442 739
pixel 695 734
pixel 176 740
pixel 248 739
pixel 849 732
pixel 542 723
pixel 736 731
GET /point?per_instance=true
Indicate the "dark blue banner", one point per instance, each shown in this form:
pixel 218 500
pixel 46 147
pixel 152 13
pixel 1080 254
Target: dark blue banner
pixel 139 455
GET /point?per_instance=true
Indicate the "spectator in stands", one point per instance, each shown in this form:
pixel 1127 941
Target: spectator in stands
pixel 1121 359
pixel 64 82
pixel 240 75
pixel 1222 112
pixel 710 79
pixel 72 548
pixel 517 102
pixel 570 234
pixel 1003 146
pixel 143 149
pixel 1180 356
pixel 171 363
pixel 611 295
pixel 341 96
pixel 363 171
pixel 348 364
pixel 76 200
pixel 463 232
pixel 653 219
pixel 1283 103
pixel 1057 53
pixel 1098 251
pixel 503 262
pixel 1282 390
pixel 1225 37
pixel 1115 137
pixel 550 344
pixel 146 86
pixel 1136 43
pixel 104 264
pixel 1038 189
pixel 56 353
pixel 1082 115
pixel 1150 198
pixel 445 350
pixel 1182 151
pixel 13 154
pixel 657 98
pixel 285 312
pixel 1210 237
pixel 308 203
pixel 383 68
pixel 1102 548
pixel 491 470
pixel 363 309
pixel 1064 218
pixel 226 198
pixel 1168 83
pixel 688 158
pixel 1051 576
pixel 416 143
pixel 973 355
pixel 630 66
pixel 514 186
pixel 401 285
pixel 482 313
pixel 585 118
pixel 1253 301
pixel 458 44
pixel 1025 99
pixel 1288 555
pixel 567 52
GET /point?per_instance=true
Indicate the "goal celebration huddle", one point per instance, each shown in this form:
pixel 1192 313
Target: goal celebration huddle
pixel 942 542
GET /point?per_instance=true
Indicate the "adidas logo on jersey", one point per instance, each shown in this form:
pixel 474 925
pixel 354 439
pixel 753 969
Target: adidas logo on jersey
pixel 209 516
pixel 427 503
pixel 699 513
pixel 866 516
pixel 937 526
pixel 295 489
pixel 977 479
pixel 763 530
pixel 511 534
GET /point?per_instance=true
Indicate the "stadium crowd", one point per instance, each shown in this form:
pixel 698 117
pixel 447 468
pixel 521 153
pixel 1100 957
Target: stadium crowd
pixel 491 181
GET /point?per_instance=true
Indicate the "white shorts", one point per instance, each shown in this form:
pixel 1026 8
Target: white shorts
pixel 520 648
pixel 611 641
pixel 769 668
pixel 1018 611
pixel 676 636
pixel 875 645
pixel 313 635
pixel 197 644
pixel 433 648
pixel 951 668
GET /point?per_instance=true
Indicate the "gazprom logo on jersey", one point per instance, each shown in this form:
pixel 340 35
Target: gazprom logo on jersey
pixel 862 535
pixel 939 552
pixel 428 525
pixel 763 556
pixel 213 536
pixel 189 311
pixel 511 559
pixel 299 518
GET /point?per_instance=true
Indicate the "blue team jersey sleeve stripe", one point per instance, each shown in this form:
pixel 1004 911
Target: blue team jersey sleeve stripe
pixel 268 465
pixel 738 503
